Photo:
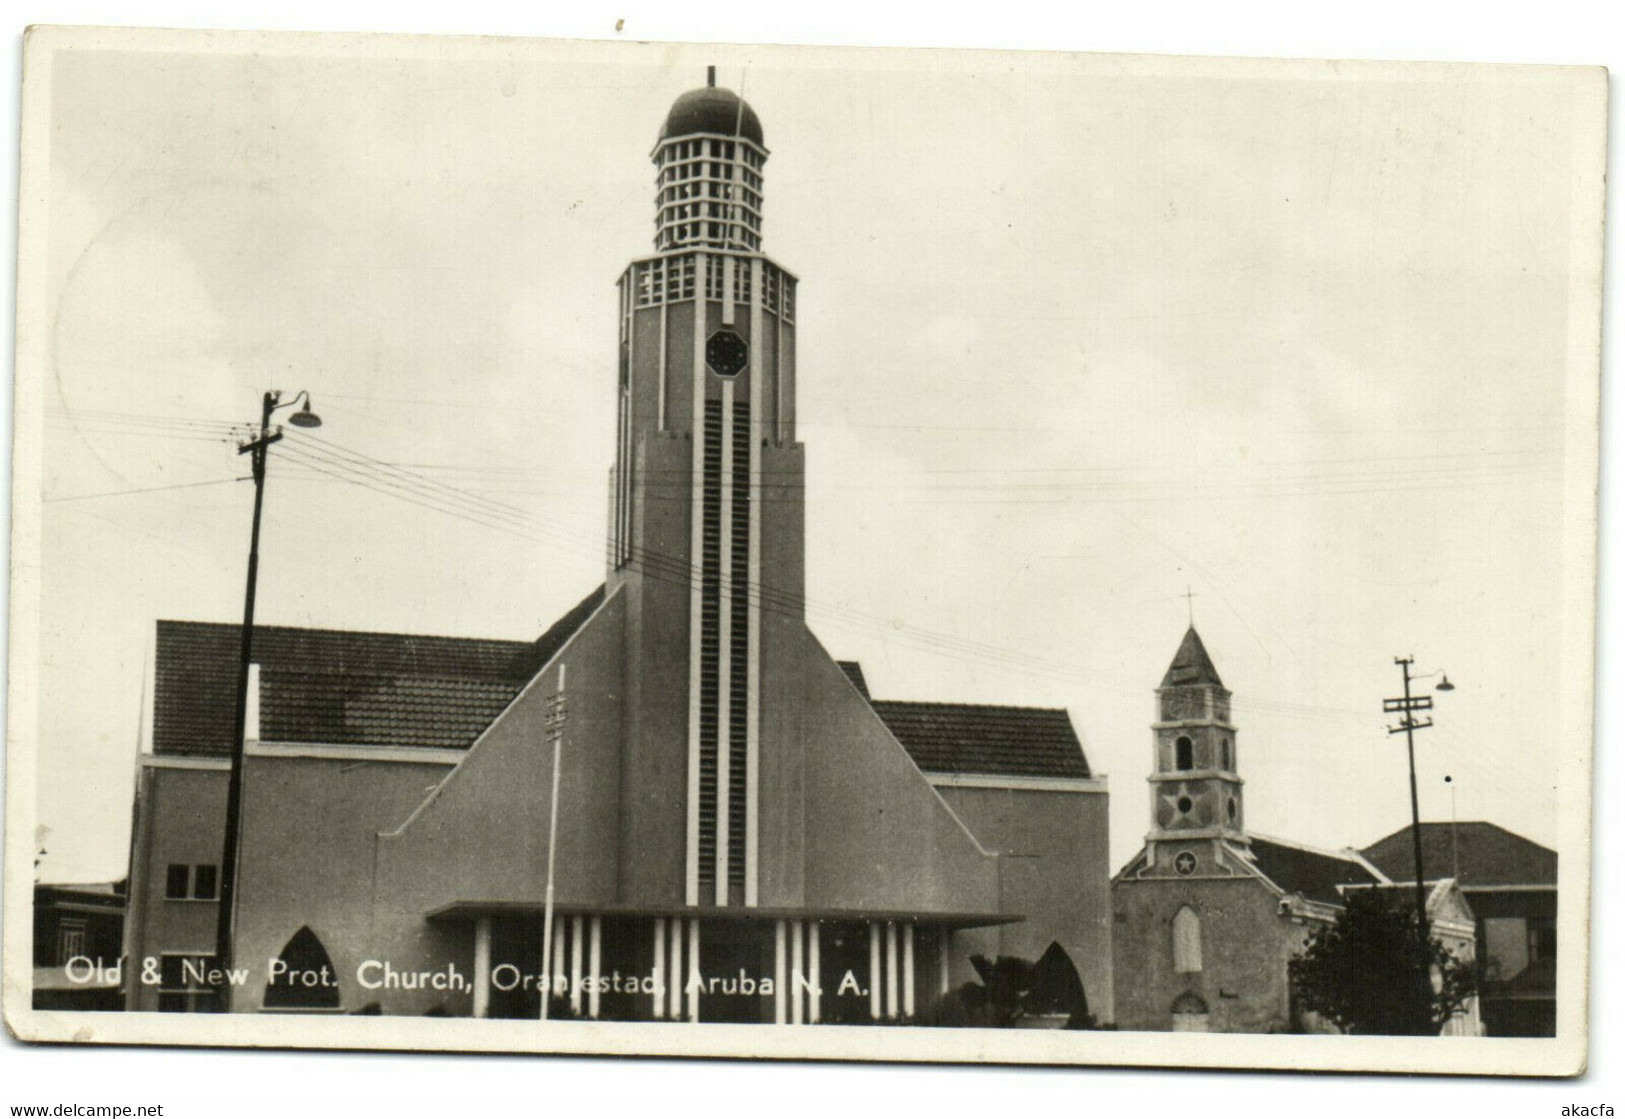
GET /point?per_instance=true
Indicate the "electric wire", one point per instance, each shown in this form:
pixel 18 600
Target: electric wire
pixel 327 459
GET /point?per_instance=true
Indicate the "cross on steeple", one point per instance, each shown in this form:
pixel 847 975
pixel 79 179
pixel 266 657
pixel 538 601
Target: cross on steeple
pixel 1190 609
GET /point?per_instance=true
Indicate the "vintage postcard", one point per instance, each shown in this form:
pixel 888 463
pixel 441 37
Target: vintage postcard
pixel 551 546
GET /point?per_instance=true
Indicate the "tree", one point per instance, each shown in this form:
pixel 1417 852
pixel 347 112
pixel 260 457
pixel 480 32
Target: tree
pixel 1012 988
pixel 1377 971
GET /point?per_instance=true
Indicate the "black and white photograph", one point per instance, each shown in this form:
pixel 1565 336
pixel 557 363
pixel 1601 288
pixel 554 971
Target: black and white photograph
pixel 544 546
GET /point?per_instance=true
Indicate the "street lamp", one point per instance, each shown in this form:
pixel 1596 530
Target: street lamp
pixel 257 448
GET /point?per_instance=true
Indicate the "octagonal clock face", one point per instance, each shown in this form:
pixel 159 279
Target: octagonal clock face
pixel 726 353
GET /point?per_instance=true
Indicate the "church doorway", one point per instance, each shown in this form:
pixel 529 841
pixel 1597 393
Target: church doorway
pixel 302 976
pixel 1190 1014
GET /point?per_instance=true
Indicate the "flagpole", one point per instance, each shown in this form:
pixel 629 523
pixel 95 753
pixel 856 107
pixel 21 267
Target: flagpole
pixel 556 733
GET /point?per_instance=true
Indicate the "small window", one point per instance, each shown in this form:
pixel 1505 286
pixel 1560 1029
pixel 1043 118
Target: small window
pixel 1182 754
pixel 204 882
pixel 1232 810
pixel 1184 805
pixel 70 939
pixel 176 880
pixel 1542 943
pixel 1224 754
pixel 182 985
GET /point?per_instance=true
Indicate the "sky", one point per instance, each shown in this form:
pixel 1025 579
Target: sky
pixel 1077 335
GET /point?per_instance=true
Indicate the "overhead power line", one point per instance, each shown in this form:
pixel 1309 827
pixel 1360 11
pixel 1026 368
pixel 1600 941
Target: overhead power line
pixel 330 459
pixel 326 459
pixel 143 489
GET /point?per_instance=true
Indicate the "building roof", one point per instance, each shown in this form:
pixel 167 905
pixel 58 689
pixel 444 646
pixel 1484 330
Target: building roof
pixel 854 673
pixel 1191 665
pixel 975 739
pixel 1311 872
pixel 1445 899
pixel 106 895
pixel 1482 854
pixel 340 687
pixel 964 738
pixel 709 109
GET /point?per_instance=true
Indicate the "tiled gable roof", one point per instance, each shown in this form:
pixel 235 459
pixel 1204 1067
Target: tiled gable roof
pixel 854 673
pixel 1314 874
pixel 1481 854
pixel 340 687
pixel 347 710
pixel 963 738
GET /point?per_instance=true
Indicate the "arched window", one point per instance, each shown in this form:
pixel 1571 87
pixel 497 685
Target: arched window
pixel 1187 941
pixel 305 978
pixel 1224 754
pixel 1182 754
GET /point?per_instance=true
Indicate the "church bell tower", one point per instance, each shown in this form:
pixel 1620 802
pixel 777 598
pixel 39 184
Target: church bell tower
pixel 1195 790
pixel 705 508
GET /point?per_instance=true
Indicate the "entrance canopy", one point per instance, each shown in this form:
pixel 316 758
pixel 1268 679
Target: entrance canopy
pixel 469 911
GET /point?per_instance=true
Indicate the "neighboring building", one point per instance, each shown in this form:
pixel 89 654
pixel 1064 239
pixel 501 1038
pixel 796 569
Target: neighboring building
pixel 734 814
pixel 1511 883
pixel 1208 915
pixel 78 936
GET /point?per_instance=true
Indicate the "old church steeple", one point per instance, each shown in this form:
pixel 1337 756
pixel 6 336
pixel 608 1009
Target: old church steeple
pixel 1195 787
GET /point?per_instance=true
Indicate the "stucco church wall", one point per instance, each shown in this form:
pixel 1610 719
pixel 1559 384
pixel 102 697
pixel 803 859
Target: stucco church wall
pixel 782 805
pixel 645 368
pixel 885 840
pixel 654 765
pixel 679 366
pixel 767 346
pixel 183 814
pixel 1054 871
pixel 1246 944
pixel 308 830
pixel 498 800
pixel 787 377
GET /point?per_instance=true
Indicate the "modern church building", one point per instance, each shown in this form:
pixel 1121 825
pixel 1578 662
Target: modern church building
pixel 742 833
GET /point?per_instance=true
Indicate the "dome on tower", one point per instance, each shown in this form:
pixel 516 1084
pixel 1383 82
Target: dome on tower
pixel 710 109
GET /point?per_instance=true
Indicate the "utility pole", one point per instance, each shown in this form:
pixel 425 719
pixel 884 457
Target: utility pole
pixel 1409 724
pixel 1406 707
pixel 225 925
pixel 1455 850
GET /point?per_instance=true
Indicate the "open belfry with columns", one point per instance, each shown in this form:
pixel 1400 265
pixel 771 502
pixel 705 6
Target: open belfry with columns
pixel 723 823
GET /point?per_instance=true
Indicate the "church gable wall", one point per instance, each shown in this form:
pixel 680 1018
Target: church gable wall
pixel 309 828
pixel 1059 880
pixel 885 840
pixel 1245 946
pixel 482 836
